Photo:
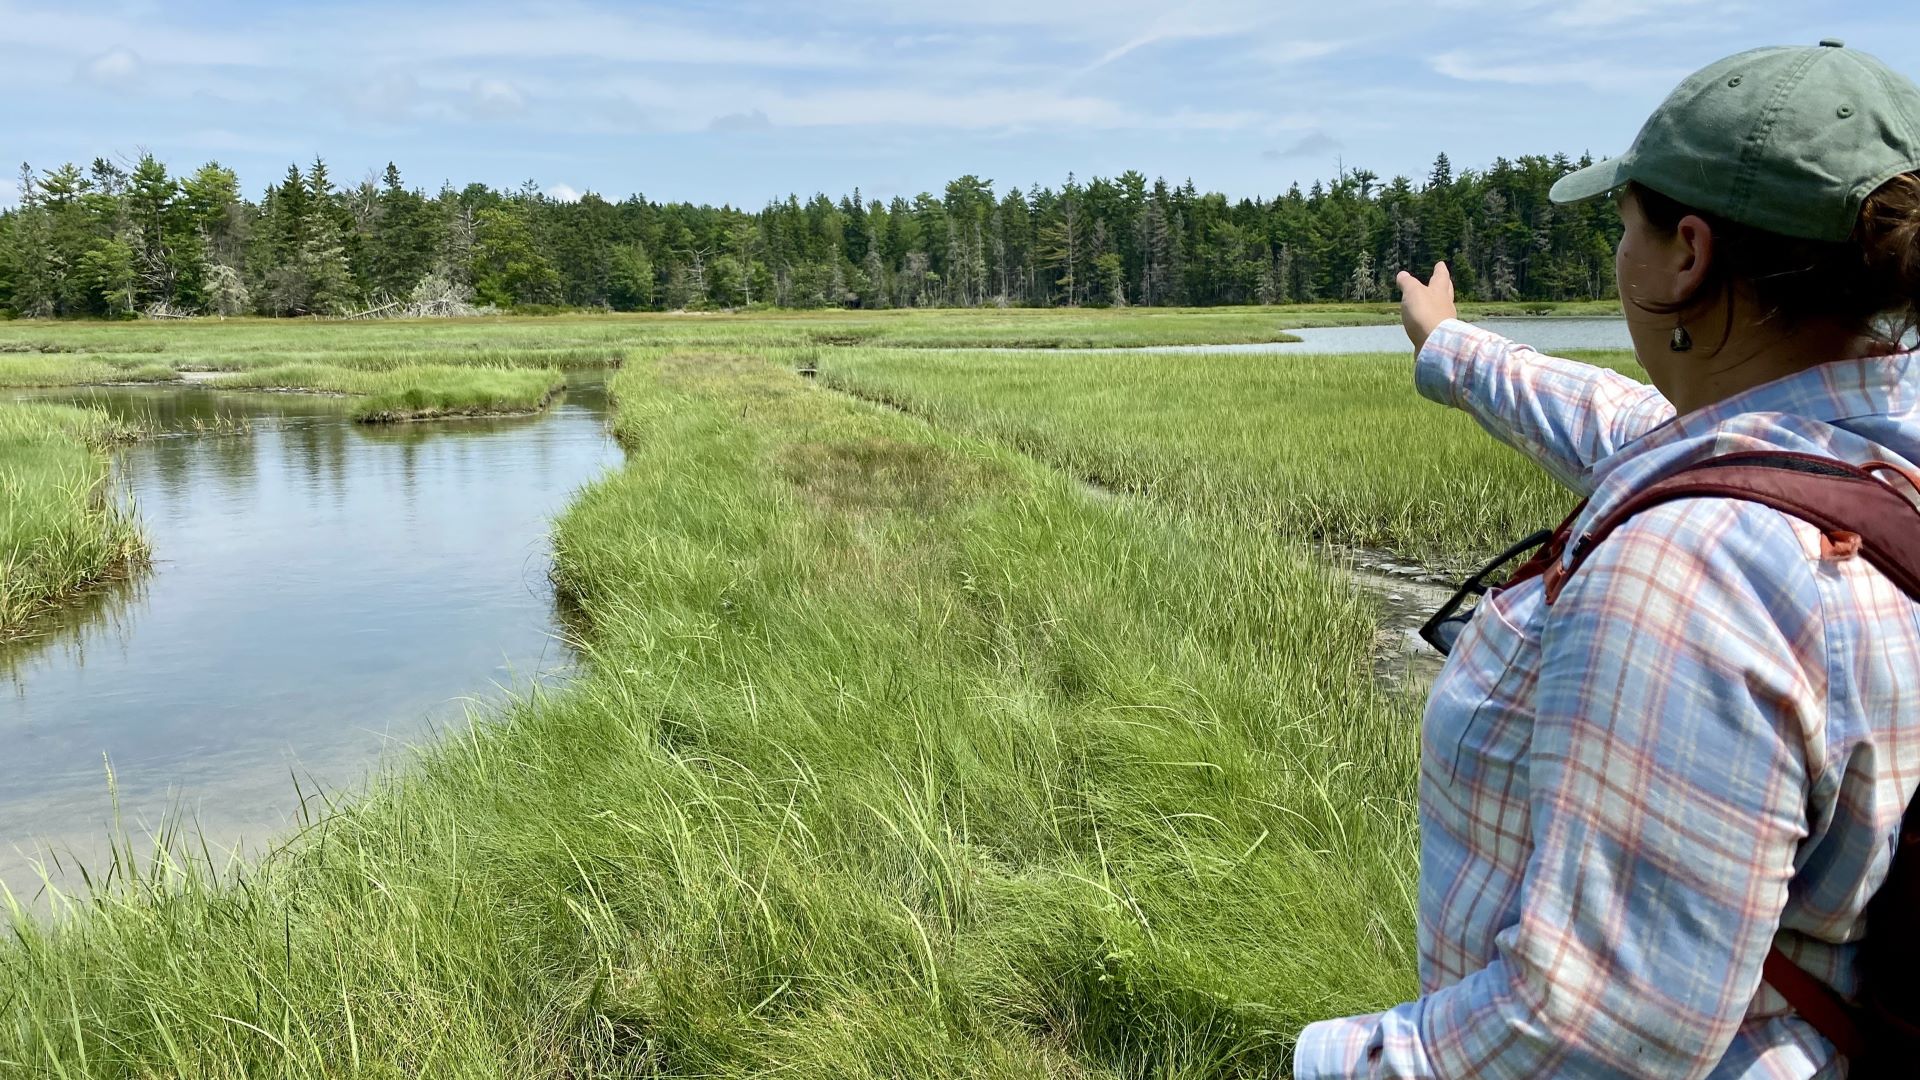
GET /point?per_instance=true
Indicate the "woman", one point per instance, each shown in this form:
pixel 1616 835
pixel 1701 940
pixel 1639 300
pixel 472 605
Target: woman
pixel 1704 746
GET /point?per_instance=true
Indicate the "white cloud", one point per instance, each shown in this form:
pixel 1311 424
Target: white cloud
pixel 629 105
pixel 576 32
pixel 562 193
pixel 1594 74
pixel 1313 144
pixel 1298 51
pixel 63 31
pixel 754 120
pixel 386 94
pixel 496 98
pixel 1178 26
pixel 9 192
pixel 1077 16
pixel 1598 14
pixel 1632 16
pixel 116 67
pixel 222 140
pixel 988 110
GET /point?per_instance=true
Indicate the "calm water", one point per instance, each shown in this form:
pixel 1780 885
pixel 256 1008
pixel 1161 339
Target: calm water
pixel 322 592
pixel 1547 335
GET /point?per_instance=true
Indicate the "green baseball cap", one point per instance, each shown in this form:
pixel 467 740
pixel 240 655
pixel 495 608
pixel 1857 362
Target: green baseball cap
pixel 1789 140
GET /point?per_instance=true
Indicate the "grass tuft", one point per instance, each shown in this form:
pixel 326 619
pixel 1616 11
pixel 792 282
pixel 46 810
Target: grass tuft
pixel 62 530
pixel 413 393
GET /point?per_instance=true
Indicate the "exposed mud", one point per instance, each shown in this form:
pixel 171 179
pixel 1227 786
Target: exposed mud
pixel 1408 595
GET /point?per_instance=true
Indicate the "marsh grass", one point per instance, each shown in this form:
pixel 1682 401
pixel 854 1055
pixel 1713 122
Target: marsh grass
pixel 412 393
pixel 895 755
pixel 62 526
pixel 1335 450
pixel 36 370
pixel 534 356
pixel 599 341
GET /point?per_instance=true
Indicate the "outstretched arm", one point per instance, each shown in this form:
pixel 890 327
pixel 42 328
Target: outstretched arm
pixel 1567 416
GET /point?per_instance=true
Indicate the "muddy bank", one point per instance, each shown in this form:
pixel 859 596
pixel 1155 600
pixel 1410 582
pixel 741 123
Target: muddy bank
pixel 1408 595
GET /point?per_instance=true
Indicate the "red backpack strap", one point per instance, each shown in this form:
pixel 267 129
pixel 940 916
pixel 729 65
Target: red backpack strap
pixel 1833 496
pixel 1842 501
pixel 1817 1004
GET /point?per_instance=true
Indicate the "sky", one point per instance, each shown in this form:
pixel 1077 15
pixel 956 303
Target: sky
pixel 740 102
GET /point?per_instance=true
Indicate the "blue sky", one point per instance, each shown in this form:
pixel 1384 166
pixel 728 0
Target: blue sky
pixel 741 101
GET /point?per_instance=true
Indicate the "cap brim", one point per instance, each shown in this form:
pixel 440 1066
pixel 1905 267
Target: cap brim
pixel 1591 182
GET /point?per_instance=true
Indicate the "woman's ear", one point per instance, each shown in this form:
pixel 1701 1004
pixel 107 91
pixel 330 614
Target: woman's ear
pixel 1694 252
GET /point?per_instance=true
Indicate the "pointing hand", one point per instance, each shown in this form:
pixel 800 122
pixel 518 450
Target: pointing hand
pixel 1424 307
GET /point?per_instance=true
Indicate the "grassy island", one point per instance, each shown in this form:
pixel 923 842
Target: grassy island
pixel 424 392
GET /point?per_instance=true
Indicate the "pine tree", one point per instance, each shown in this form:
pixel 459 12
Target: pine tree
pixel 1158 255
pixel 875 270
pixel 110 274
pixel 1360 284
pixel 1502 283
pixel 28 254
pixel 1063 241
pixel 1272 286
pixel 210 197
pixel 154 234
pixel 400 237
pixel 77 217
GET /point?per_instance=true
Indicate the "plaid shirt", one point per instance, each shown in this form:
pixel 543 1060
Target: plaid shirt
pixel 1707 744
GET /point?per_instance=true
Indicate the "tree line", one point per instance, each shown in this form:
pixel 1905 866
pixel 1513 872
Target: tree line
pixel 115 240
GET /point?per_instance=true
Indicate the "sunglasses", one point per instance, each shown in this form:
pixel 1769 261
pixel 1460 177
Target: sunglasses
pixel 1444 629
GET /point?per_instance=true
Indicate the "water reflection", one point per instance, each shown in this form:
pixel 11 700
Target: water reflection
pixel 320 590
pixel 98 618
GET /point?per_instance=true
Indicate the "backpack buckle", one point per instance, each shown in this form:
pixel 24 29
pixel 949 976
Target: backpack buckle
pixel 1839 546
pixel 1556 580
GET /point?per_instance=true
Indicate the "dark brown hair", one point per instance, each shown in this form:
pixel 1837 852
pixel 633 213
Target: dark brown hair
pixel 1871 279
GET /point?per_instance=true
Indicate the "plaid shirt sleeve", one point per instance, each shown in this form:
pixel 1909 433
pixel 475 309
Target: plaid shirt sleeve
pixel 1567 416
pixel 1680 703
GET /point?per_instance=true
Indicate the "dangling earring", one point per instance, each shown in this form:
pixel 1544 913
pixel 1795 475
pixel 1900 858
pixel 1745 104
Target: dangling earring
pixel 1682 341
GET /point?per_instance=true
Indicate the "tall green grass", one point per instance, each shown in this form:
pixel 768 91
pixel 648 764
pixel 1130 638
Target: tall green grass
pixel 61 527
pixel 1331 449
pixel 20 371
pixel 420 392
pixel 895 756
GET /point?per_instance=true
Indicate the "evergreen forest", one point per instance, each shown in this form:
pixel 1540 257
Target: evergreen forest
pixel 118 239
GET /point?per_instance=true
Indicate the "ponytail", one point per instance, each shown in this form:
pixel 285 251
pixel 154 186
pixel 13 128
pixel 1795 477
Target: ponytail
pixel 1888 239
